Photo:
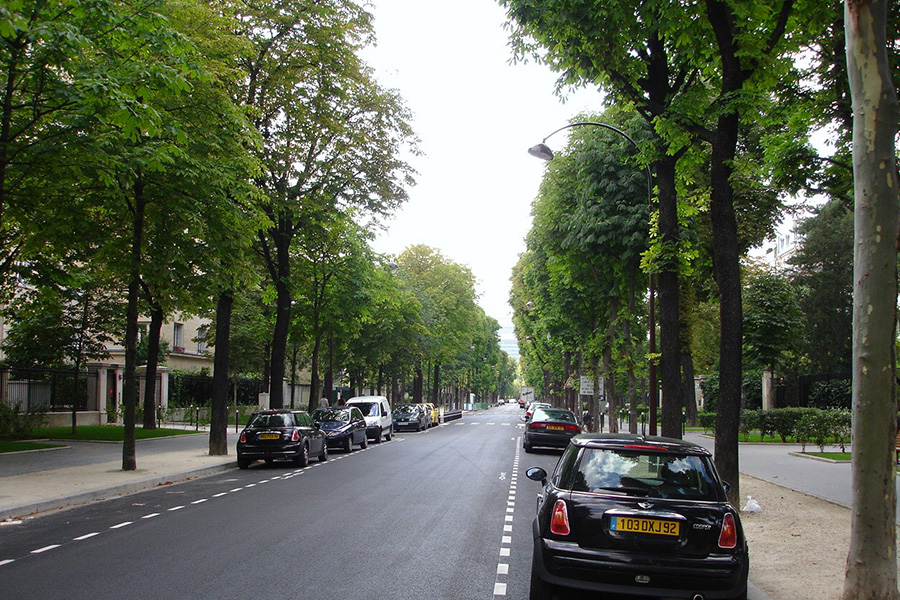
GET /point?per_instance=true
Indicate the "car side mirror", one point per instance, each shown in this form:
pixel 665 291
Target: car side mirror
pixel 537 474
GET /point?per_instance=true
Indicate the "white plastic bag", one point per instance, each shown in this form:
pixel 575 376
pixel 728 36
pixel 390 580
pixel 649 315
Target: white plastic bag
pixel 751 506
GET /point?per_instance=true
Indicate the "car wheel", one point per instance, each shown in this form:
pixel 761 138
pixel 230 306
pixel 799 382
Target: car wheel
pixel 302 459
pixel 365 443
pixel 527 447
pixel 244 463
pixel 540 589
pixel 377 439
pixel 390 432
pixel 348 445
pixel 323 455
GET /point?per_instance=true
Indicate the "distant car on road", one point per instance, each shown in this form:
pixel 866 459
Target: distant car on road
pixel 550 428
pixel 530 410
pixel 640 516
pixel 281 435
pixel 344 427
pixel 432 411
pixel 411 416
pixel 376 411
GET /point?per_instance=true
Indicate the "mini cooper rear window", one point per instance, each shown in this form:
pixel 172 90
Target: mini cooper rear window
pixel 635 473
pixel 272 420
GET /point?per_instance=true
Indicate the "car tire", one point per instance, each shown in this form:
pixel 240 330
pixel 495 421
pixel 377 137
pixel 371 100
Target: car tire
pixel 323 455
pixel 348 445
pixel 377 438
pixel 387 436
pixel 364 444
pixel 244 463
pixel 540 589
pixel 302 459
pixel 527 448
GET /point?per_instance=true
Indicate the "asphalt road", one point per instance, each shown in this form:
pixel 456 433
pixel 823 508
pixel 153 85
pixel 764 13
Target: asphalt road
pixel 443 513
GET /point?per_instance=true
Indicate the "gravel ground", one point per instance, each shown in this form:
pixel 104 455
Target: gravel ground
pixel 798 543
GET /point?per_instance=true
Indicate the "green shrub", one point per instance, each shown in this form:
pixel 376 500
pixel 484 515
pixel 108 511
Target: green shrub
pixel 749 422
pixel 815 427
pixel 840 426
pixel 17 424
pixel 710 387
pixel 707 421
pixel 766 424
pixel 784 421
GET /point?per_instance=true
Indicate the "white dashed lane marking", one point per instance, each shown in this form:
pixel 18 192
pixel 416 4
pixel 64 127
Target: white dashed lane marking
pixel 283 477
pixel 506 540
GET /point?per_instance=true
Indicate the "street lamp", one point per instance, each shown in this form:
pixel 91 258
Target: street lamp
pixel 543 152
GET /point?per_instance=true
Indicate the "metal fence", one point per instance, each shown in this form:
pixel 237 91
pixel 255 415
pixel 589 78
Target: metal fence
pixel 53 389
pixel 196 390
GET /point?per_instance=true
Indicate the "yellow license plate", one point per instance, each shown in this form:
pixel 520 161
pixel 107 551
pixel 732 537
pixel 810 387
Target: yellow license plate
pixel 639 525
pixel 556 428
pixel 270 436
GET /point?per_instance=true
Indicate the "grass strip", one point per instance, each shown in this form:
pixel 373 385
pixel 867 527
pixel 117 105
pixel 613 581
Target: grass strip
pixel 844 456
pixel 20 446
pixel 104 433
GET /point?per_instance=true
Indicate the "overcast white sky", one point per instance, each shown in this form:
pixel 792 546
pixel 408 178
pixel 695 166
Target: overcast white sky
pixel 476 115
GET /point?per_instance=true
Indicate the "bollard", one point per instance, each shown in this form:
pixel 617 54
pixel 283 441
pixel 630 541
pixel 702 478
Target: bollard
pixel 237 414
pixel 197 422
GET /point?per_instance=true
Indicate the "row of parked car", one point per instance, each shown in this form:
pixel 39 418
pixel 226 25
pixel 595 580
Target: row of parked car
pixel 295 435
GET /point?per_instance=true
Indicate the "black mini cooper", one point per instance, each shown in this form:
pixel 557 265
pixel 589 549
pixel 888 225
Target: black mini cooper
pixel 640 516
pixel 281 434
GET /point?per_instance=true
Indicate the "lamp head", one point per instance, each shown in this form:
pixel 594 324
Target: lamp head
pixel 541 151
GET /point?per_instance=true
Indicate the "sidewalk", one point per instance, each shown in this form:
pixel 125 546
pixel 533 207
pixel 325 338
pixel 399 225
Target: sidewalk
pixel 82 472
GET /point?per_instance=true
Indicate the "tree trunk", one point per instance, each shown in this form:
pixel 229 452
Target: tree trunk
pixel 871 571
pixel 726 260
pixel 328 387
pixel 667 294
pixel 435 384
pixel 129 385
pixel 156 323
pixel 629 356
pixel 609 387
pixel 218 426
pixel 279 344
pixel 314 375
pixel 418 384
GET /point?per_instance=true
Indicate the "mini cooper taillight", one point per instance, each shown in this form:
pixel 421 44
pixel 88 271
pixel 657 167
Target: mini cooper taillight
pixel 243 439
pixel 559 520
pixel 728 535
pixel 295 437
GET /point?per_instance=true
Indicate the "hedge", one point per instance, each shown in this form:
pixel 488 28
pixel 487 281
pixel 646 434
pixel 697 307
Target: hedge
pixel 805 425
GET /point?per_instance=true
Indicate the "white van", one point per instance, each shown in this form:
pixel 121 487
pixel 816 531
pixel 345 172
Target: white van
pixel 377 412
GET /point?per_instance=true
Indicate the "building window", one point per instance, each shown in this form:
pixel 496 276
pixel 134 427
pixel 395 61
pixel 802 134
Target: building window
pixel 178 338
pixel 202 333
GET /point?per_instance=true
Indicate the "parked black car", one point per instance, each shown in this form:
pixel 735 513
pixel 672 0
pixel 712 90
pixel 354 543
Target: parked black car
pixel 641 516
pixel 281 434
pixel 550 428
pixel 410 416
pixel 344 427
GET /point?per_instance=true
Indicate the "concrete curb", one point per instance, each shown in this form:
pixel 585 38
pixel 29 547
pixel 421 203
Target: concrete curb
pixel 36 509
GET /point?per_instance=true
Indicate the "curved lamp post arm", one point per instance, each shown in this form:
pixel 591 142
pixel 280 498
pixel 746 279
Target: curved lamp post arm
pixel 544 152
